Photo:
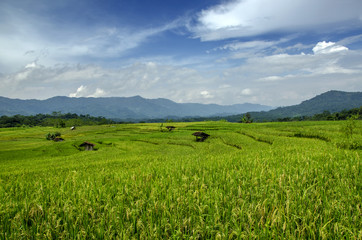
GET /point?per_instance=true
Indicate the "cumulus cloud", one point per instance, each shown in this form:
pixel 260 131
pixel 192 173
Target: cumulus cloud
pixel 242 18
pixel 278 79
pixel 147 79
pixel 81 92
pixel 98 93
pixel 328 47
pixel 206 94
pixel 31 65
pixel 281 78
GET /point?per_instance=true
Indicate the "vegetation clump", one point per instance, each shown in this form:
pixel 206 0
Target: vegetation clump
pixel 246 118
pixel 52 136
pixel 56 119
pixel 348 129
pixel 200 136
pixel 170 128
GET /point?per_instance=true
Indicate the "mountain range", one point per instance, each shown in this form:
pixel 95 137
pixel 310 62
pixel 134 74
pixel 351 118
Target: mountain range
pixel 138 108
pixel 122 107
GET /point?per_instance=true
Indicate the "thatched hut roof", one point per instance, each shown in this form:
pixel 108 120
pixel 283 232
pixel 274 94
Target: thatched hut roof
pixel 170 128
pixel 86 144
pixel 200 134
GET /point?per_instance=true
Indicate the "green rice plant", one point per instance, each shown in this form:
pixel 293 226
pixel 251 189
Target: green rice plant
pixel 147 184
pixel 311 135
pixel 258 137
pixel 348 128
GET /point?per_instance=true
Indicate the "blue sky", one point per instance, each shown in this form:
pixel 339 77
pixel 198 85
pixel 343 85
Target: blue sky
pixel 275 53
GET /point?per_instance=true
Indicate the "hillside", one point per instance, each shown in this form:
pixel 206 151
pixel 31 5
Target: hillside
pixel 122 107
pixel 138 108
pixel 332 101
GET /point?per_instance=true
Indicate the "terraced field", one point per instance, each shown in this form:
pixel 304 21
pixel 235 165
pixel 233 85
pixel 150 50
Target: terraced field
pixel 256 181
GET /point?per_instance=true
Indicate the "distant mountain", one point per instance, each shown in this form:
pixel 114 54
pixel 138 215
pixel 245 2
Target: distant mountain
pixel 332 101
pixel 125 108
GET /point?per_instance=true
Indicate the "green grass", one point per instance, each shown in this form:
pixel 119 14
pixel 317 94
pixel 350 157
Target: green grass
pixel 247 181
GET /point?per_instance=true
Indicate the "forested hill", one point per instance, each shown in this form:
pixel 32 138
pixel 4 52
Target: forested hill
pixel 123 108
pixel 332 101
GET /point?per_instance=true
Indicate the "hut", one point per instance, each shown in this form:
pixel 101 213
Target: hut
pixel 87 146
pixel 72 128
pixel 58 139
pixel 170 128
pixel 200 136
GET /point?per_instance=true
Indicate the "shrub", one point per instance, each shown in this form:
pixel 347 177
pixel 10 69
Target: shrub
pixel 52 136
pixel 347 129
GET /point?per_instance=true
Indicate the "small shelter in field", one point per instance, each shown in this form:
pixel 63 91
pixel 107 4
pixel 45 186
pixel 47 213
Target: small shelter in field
pixel 72 128
pixel 58 139
pixel 87 146
pixel 170 128
pixel 200 136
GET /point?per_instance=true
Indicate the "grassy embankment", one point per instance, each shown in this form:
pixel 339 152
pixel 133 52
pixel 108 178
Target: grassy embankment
pixel 271 180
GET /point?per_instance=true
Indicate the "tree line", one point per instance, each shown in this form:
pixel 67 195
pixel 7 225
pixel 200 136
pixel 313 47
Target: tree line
pixel 56 119
pixel 264 117
pixel 327 116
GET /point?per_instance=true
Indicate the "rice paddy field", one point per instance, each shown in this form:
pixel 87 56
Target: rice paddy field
pixel 299 180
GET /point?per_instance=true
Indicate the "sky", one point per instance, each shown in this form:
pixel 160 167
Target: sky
pixel 276 53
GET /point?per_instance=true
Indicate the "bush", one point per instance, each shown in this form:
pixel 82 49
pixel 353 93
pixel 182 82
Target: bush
pixel 348 130
pixel 52 136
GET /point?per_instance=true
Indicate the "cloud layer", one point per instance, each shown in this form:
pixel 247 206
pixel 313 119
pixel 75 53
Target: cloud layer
pixel 272 80
pixel 243 18
pixel 27 37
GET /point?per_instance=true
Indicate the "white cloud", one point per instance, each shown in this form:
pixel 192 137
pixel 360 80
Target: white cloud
pixel 351 39
pixel 206 94
pixel 248 49
pixel 98 93
pixel 246 92
pixel 271 79
pixel 241 18
pixel 248 45
pixel 81 92
pixel 280 79
pixel 27 37
pixel 148 79
pixel 328 47
pixel 31 65
pixel 280 67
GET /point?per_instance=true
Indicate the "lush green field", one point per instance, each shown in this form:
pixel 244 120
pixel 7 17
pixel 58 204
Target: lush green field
pixel 266 181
